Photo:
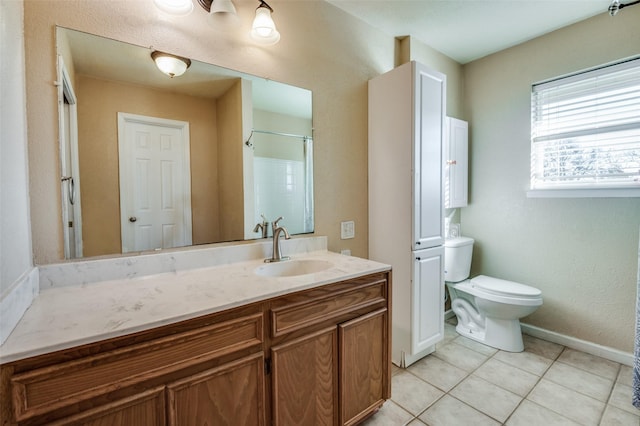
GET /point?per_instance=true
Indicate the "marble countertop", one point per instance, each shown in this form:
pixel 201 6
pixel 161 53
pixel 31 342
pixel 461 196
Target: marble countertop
pixel 72 315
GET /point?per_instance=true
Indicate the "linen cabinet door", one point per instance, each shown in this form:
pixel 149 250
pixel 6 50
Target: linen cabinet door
pixel 427 299
pixel 364 366
pixel 428 214
pixel 305 380
pixel 231 394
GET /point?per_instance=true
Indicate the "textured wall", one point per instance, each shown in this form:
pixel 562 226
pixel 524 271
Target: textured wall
pixel 581 252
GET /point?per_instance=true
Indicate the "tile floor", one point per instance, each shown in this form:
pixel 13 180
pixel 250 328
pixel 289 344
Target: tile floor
pixel 466 383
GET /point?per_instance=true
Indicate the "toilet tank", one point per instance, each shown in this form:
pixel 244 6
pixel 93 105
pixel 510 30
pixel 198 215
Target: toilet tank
pixel 457 258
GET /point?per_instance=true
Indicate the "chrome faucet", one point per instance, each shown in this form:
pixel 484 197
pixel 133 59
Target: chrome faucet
pixel 264 227
pixel 277 230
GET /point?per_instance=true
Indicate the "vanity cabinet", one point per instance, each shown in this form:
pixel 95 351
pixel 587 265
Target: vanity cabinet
pixel 318 356
pixel 330 353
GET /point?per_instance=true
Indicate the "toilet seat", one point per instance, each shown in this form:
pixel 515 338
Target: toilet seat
pixel 504 288
pixel 501 291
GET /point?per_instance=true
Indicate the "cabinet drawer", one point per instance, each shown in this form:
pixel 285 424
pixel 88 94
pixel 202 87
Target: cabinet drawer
pixel 49 388
pixel 327 306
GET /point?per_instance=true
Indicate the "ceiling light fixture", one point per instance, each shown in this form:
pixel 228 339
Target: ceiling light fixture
pixel 615 6
pixel 171 65
pixel 175 7
pixel 221 12
pixel 264 29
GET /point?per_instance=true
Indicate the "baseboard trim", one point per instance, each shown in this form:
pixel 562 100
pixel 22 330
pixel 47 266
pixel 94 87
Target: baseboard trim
pixel 578 344
pixel 448 314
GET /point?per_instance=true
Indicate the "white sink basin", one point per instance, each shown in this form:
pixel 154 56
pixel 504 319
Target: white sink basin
pixel 291 268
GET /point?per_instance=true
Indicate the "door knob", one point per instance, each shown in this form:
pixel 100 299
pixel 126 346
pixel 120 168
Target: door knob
pixel 133 219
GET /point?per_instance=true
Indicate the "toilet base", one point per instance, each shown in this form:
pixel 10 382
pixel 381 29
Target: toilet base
pixel 501 334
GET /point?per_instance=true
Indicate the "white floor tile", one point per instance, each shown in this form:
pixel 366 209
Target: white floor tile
pixel 576 406
pixel 526 361
pixel 579 380
pixel 412 393
pixel 439 373
pixel 449 411
pixel 621 398
pixel 542 347
pixel 529 414
pixel 616 417
pixel 475 346
pixel 507 377
pixel 460 356
pixel 486 397
pixel 390 414
pixel 591 363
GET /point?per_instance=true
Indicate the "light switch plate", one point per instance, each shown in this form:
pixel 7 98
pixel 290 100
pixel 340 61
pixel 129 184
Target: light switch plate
pixel 347 230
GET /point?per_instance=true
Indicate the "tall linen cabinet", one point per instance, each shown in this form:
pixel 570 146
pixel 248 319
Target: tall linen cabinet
pixel 406 230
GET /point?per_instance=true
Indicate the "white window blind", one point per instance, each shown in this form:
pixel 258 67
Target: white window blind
pixel 585 129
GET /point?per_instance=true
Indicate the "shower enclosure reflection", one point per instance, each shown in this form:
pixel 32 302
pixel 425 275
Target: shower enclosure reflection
pixel 283 178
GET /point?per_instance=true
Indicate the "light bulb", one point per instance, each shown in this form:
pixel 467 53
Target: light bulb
pixel 264 29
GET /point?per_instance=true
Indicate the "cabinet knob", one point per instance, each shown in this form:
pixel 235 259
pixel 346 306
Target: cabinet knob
pixel 133 219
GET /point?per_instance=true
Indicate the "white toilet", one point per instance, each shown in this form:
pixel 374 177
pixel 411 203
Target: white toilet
pixel 488 309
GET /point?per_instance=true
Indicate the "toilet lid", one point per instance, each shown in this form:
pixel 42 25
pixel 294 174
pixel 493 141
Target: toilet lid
pixel 504 287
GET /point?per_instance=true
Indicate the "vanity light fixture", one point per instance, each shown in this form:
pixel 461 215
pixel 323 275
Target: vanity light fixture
pixel 222 13
pixel 175 7
pixel 169 64
pixel 264 29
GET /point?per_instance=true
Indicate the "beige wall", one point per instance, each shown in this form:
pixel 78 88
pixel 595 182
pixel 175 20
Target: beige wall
pixel 581 252
pixel 230 163
pixel 99 102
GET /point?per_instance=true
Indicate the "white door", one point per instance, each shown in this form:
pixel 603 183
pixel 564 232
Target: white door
pixel 69 165
pixel 427 307
pixel 429 98
pixel 155 183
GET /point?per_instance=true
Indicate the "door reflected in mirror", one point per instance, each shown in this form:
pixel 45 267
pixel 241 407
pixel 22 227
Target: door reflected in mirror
pixel 247 144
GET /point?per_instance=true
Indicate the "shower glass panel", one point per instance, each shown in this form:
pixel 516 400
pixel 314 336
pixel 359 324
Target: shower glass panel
pixel 283 179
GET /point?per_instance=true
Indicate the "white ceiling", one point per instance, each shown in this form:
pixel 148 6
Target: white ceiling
pixel 466 30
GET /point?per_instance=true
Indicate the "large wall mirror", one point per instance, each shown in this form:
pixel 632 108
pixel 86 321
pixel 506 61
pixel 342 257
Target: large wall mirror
pixel 151 162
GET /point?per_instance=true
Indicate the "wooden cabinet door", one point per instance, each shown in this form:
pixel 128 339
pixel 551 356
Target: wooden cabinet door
pixel 305 381
pixel 364 366
pixel 231 394
pixel 145 409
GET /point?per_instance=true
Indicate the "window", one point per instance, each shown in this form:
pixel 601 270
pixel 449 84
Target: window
pixel 585 131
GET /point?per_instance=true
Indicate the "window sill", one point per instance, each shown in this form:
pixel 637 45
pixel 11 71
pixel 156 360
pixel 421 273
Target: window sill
pixel 584 193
